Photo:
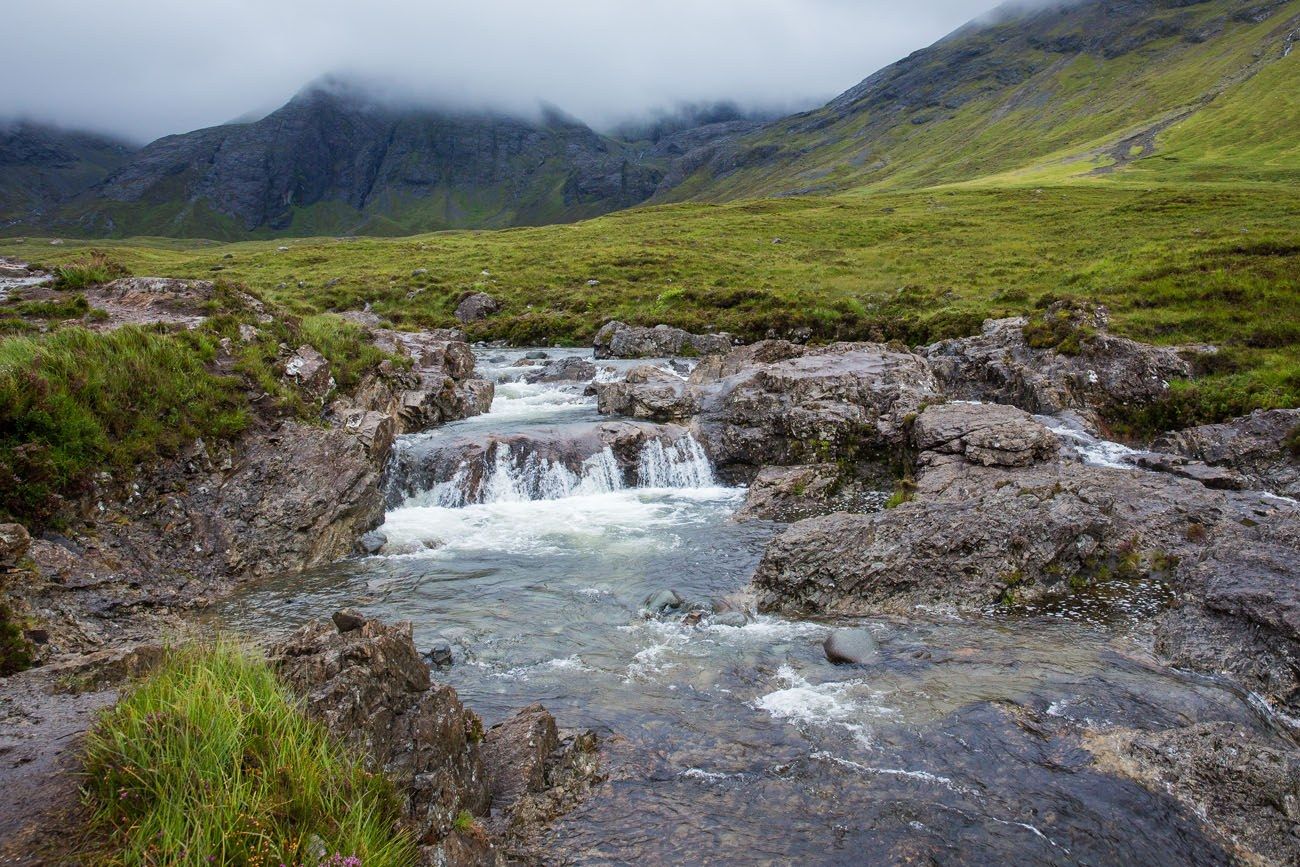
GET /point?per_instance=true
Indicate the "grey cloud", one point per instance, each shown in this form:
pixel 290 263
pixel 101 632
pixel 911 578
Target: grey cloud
pixel 145 68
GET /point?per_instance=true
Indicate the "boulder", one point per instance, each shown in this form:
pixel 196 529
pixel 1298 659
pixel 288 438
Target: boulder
pixel 476 307
pixel 662 601
pixel 348 619
pixel 1099 371
pixel 569 369
pixel 851 646
pixel 647 392
pixel 371 689
pixel 619 340
pixel 310 372
pixel 992 435
pixel 1263 448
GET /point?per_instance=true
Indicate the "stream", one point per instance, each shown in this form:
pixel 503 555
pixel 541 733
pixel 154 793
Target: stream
pixel 532 557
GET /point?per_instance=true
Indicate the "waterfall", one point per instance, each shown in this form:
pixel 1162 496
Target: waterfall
pixel 508 474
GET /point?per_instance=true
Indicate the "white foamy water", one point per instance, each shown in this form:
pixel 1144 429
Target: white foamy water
pixel 838 704
pixel 1094 451
pixel 635 517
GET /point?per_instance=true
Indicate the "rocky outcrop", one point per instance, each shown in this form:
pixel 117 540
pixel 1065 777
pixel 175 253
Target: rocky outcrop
pixel 979 532
pixel 1100 371
pixel 570 369
pixel 619 340
pixel 1263 447
pixel 476 307
pixel 368 685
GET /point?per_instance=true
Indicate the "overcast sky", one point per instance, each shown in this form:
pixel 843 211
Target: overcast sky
pixel 145 68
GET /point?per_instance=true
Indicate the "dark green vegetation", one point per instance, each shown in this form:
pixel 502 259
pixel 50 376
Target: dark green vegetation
pixel 210 760
pixel 75 401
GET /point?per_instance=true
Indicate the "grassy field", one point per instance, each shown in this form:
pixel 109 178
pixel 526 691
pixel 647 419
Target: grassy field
pixel 1208 263
pixel 210 760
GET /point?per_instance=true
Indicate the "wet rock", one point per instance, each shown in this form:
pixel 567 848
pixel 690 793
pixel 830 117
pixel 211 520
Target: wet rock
pixel 992 435
pixel 536 355
pixel 373 542
pixel 851 647
pixel 476 307
pixel 730 618
pixel 371 689
pixel 439 653
pixel 647 392
pixel 1000 366
pixel 1212 477
pixel 569 369
pixel 794 493
pixel 716 367
pixel 348 619
pixel 310 372
pixel 515 754
pixel 1261 447
pixel 620 340
pixel 14 542
pixel 1245 787
pixel 662 601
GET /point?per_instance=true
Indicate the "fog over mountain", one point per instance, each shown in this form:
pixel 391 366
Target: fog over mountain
pixel 146 68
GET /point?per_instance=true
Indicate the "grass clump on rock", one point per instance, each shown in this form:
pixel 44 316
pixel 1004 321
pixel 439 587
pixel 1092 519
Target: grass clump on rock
pixel 210 760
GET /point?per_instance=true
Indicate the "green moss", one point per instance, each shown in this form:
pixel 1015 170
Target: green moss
pixel 16 652
pixel 210 760
pixel 904 492
pixel 1292 441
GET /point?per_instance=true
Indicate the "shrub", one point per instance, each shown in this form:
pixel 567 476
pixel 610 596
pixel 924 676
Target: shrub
pixel 210 760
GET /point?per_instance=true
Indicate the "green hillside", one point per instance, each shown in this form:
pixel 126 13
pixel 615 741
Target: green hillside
pixel 1200 91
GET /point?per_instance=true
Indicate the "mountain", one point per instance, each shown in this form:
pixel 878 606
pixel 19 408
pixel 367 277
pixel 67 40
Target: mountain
pixel 336 161
pixel 1172 90
pixel 43 166
pixel 1189 89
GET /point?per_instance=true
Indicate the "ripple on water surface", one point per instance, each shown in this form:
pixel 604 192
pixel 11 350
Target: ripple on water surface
pixel 741 744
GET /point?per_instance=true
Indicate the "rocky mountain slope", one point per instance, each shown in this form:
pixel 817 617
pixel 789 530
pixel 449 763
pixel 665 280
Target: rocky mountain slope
pixel 335 160
pixel 41 166
pixel 1181 89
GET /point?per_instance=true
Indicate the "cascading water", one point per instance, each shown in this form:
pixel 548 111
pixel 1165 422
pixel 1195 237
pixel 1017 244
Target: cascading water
pixel 530 546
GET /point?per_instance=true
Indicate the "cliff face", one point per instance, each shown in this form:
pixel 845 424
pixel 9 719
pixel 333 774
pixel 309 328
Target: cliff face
pixel 41 166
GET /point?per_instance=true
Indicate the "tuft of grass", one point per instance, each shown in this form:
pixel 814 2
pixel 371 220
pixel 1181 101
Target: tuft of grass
pixel 75 402
pixel 94 269
pixel 1292 441
pixel 210 760
pixel 15 650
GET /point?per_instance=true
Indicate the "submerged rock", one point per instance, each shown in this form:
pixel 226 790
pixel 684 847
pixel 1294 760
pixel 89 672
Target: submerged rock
pixel 663 601
pixel 439 653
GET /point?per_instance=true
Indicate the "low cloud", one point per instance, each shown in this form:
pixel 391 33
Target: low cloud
pixel 145 68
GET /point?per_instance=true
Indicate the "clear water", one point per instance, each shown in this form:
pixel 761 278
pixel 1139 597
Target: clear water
pixel 743 744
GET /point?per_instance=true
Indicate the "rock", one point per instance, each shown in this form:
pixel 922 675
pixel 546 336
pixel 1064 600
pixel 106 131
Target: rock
pixel 570 369
pixel 1241 783
pixel 992 435
pixel 348 619
pixel 662 601
pixel 370 688
pixel 1212 477
pixel 310 372
pixel 730 618
pixel 851 647
pixel 619 340
pixel 805 491
pixel 439 653
pixel 476 307
pixel 1261 447
pixel 14 542
pixel 515 753
pixel 647 392
pixel 419 272
pixel 1000 366
pixel 373 542
pixel 536 355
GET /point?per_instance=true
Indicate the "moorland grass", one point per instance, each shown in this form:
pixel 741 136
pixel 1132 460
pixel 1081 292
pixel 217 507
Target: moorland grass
pixel 1188 263
pixel 210 760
